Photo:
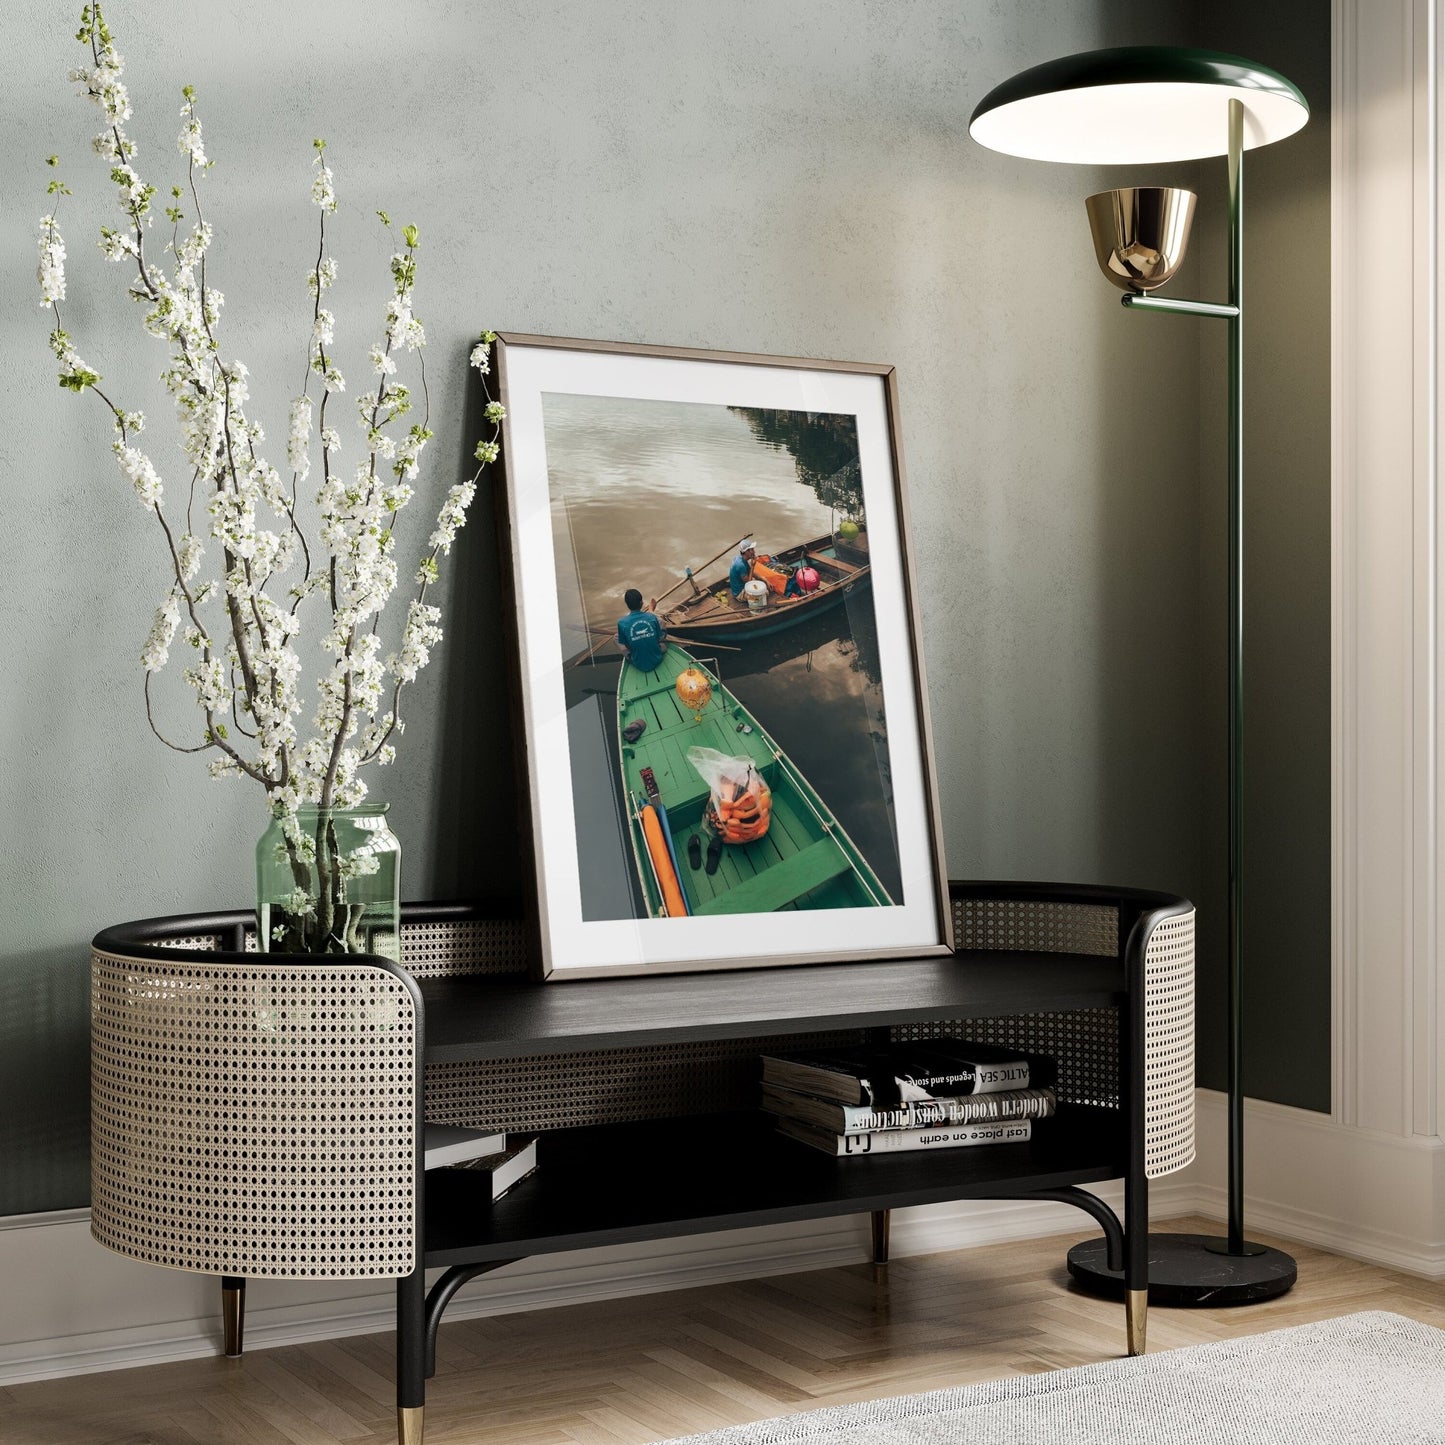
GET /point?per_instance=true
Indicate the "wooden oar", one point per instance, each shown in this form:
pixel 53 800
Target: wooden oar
pixel 704 567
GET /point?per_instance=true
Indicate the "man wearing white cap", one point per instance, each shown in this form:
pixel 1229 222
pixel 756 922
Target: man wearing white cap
pixel 742 567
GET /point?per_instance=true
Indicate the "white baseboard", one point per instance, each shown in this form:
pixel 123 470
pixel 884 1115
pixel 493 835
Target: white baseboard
pixel 1362 1193
pixel 72 1307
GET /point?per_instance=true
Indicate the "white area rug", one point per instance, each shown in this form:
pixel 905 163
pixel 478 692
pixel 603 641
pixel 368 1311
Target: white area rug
pixel 1365 1379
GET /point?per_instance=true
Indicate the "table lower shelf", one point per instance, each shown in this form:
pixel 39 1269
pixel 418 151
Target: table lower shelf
pixel 620 1183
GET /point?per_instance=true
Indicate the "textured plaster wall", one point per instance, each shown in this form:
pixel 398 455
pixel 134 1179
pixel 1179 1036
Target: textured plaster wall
pixel 786 178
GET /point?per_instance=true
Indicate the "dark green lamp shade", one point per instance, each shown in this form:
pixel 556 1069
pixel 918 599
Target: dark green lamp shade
pixel 1136 104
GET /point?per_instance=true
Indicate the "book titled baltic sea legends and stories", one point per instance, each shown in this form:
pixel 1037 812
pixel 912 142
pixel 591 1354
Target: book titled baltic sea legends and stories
pixel 882 1099
pixel 922 1114
pixel 892 1075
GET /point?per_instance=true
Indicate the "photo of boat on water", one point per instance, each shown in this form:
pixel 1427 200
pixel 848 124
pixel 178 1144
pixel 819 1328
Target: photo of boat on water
pixel 721 713
pixel 736 760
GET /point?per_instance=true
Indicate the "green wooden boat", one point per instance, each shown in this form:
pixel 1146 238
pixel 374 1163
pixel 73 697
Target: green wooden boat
pixel 805 860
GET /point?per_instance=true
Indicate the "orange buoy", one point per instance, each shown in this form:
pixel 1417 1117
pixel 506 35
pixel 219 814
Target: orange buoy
pixel 693 689
pixel 666 874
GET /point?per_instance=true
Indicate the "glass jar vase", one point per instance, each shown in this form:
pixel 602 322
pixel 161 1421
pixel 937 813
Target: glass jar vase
pixel 328 881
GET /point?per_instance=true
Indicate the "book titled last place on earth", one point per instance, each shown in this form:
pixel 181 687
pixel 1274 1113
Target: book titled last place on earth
pixel 894 1075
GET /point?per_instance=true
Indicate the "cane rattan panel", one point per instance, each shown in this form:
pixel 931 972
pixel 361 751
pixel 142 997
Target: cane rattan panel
pixel 1036 926
pixel 1084 1043
pixel 484 945
pixel 253 1119
pixel 612 1086
pixel 208 942
pixel 1169 1046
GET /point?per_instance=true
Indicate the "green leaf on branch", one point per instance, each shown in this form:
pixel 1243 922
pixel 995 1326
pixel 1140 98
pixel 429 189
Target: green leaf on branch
pixel 409 234
pixel 385 219
pixel 52 160
pixel 78 379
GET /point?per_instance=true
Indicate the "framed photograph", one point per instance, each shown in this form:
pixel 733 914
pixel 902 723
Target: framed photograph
pixel 721 703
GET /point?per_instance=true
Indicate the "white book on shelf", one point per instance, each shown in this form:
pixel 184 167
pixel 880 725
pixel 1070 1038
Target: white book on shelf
pixel 445 1144
pixel 510 1167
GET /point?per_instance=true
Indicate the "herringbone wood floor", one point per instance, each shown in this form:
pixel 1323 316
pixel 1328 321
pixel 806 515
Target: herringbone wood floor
pixel 630 1371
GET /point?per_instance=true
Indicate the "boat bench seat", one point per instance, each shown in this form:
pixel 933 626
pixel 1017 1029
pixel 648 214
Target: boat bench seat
pixel 783 882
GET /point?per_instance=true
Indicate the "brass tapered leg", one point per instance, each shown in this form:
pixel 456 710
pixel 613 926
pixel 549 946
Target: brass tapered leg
pixel 1136 1318
pixel 881 1219
pixel 408 1424
pixel 233 1315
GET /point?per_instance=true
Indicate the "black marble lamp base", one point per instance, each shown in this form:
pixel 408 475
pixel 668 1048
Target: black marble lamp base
pixel 1190 1269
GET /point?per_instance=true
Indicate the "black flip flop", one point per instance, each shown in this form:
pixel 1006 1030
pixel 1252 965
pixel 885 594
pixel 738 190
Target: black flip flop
pixel 694 853
pixel 714 853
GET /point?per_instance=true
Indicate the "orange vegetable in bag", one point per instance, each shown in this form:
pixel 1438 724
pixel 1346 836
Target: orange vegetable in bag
pixel 740 804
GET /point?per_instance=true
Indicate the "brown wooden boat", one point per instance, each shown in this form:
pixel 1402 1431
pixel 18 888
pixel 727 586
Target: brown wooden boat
pixel 713 614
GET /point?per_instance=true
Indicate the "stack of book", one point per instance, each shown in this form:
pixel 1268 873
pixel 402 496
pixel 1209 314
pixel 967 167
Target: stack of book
pixel 502 1161
pixel 938 1094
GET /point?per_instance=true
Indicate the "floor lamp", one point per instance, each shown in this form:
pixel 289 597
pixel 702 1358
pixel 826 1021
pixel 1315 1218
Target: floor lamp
pixel 1139 105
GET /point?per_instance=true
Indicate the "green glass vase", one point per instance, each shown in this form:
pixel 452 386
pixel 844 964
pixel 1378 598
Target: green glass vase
pixel 328 881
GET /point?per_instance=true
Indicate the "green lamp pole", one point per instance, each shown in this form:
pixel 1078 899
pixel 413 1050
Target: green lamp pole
pixel 1132 105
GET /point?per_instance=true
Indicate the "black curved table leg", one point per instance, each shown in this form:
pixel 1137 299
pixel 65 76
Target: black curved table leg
pixel 441 1296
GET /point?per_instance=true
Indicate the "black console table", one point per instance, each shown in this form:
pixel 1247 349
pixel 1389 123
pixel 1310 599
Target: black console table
pixel 260 1115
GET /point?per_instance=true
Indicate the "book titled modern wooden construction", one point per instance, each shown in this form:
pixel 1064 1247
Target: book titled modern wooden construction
pixel 444 1144
pixel 889 1077
pixel 894 1141
pixel 839 1118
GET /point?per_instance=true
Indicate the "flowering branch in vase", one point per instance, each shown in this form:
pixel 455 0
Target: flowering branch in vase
pixel 242 622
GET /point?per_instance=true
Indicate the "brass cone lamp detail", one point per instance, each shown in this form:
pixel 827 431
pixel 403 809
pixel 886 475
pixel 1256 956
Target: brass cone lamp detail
pixel 1140 234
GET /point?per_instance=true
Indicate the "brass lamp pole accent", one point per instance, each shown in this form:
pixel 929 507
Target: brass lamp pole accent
pixel 1126 106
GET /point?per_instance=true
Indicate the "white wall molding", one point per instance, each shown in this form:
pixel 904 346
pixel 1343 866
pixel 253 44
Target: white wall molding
pixel 1365 1193
pixel 1385 564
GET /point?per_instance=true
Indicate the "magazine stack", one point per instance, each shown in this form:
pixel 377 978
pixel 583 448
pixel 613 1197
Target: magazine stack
pixel 934 1094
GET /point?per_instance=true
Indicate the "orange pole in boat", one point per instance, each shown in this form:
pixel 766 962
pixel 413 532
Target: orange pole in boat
pixel 662 863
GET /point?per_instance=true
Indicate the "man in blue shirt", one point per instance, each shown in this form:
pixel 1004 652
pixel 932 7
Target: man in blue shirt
pixel 742 568
pixel 640 635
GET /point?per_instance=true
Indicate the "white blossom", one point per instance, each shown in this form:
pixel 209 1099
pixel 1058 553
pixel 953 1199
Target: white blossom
pixel 189 554
pixel 208 678
pixel 452 516
pixel 189 140
pixel 421 634
pixel 322 277
pixel 481 357
pixel 51 271
pixel 142 474
pixel 323 191
pixel 298 444
pixel 163 629
pixel 381 363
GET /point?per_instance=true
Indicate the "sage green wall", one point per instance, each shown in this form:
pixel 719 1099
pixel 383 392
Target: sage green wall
pixel 1286 577
pixel 787 178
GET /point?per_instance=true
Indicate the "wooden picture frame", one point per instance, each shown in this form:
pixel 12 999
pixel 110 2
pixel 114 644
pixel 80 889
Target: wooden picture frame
pixel 749 780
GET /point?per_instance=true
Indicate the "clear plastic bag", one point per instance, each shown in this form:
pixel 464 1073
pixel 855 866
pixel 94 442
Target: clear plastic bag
pixel 740 804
